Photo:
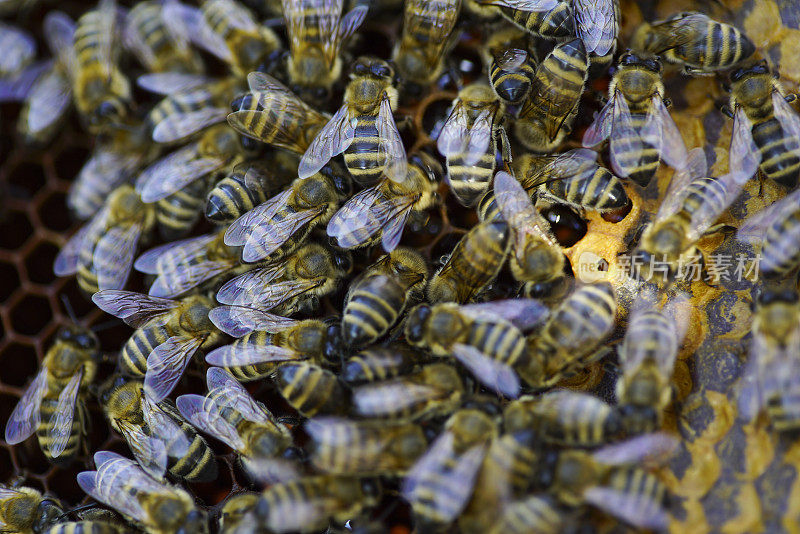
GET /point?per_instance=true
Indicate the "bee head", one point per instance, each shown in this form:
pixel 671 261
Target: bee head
pixel 79 337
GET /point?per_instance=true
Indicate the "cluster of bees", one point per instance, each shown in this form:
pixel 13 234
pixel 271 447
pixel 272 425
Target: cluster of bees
pixel 434 385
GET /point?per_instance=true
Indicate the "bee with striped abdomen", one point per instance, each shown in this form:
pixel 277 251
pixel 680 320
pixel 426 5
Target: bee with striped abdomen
pixel 468 140
pixel 53 404
pixel 548 19
pixel 375 364
pixel 533 513
pixel 238 512
pixel 546 116
pixel 363 128
pixel 168 333
pixel 311 390
pixel 154 505
pixel 381 211
pixel 696 41
pixel 155 432
pixel 378 296
pixel 24 509
pixel 597 25
pixel 101 253
pixel 511 75
pixel 636 121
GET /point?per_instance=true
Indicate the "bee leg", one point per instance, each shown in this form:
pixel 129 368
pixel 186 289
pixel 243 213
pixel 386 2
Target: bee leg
pixel 692 71
pixel 290 420
pixel 505 145
pixel 791 97
pixel 726 110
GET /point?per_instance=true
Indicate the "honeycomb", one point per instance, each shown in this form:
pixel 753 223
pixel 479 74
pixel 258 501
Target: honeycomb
pixel 729 476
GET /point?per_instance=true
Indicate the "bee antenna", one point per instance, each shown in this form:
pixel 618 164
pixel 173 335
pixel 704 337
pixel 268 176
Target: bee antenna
pixel 68 307
pixel 104 326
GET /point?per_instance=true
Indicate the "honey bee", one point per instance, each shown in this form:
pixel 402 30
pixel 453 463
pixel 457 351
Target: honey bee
pixel 427 26
pixel 511 75
pixel 102 251
pixel 231 415
pixel 377 298
pixel 168 332
pixel 274 115
pixel 434 389
pixel 316 31
pixel 549 19
pixel 486 338
pixel 308 504
pixel 283 223
pixel 101 91
pixel 776 230
pixel 440 484
pixel 19 47
pixel 636 120
pixel 597 25
pixel 248 185
pixel 473 264
pixel 766 130
pixel 537 258
pixel 612 480
pixel 156 434
pixel 159 43
pixel 573 331
pixel 311 390
pixel 382 210
pixel 238 513
pixel 53 404
pixel 468 140
pixel 533 513
pixel 546 116
pixel 259 353
pixel 24 509
pixel 363 128
pixel 380 363
pixel 151 504
pixel 696 41
pixel 341 446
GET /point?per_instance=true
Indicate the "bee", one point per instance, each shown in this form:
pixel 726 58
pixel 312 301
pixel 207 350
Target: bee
pixel 612 480
pixel 511 75
pixel 168 332
pixel 765 127
pixel 24 509
pixel 311 390
pixel 101 91
pixel 238 512
pixel 272 114
pixel 546 116
pixel 486 338
pixel 434 389
pixel 157 435
pixel 282 224
pixel 533 513
pixel 473 264
pixel 597 25
pixel 341 446
pixel 101 253
pixel 259 353
pixel 159 43
pixel 19 47
pixel 427 26
pixel 548 19
pixel 383 210
pixel 308 504
pixel 440 484
pixel 537 258
pixel 572 332
pixel 636 120
pixel 248 185
pixel 696 41
pixel 316 31
pixel 363 128
pixel 377 298
pixel 53 404
pixel 231 415
pixel 151 504
pixel 468 141
pixel 380 363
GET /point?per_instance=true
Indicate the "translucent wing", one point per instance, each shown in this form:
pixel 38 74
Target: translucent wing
pixel 238 233
pixel 517 208
pixel 66 262
pixel 180 125
pixel 269 235
pixel 111 482
pixel 645 448
pixel 678 32
pixel 59 32
pixel 522 313
pixel 625 140
pixel 453 137
pixel 165 428
pixel 171 83
pixel 25 418
pixel 20 48
pixel 596 24
pixel 393 228
pixel 334 138
pixel 695 167
pixel 150 452
pixel 378 399
pixel 391 147
pixel 159 259
pixel 166 363
pixel 47 101
pixel 236 15
pixel 113 255
pixel 268 471
pixel 755 227
pixel 634 508
pixel 278 293
pixel 205 414
pixel 496 375
pixel 600 128
pixel 237 321
pixel 730 186
pixel 354 223
pixel 107 17
pixel 347 27
pixel 786 115
pixel 250 354
pixel 660 126
pixel 136 309
pixel 174 172
pixel 511 58
pixel 61 420
pixel 744 155
pixel 243 287
pixel 229 393
pixel 18 86
pixel 526 5
pixel 187 277
pixel 198 29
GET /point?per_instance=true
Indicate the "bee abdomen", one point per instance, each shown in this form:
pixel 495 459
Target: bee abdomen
pixel 783 410
pixel 86 527
pixel 705 193
pixel 780 153
pixel 776 258
pixel 133 357
pixel 587 314
pixel 177 213
pixel 199 463
pixel 311 389
pixel 504 343
pixel 230 198
pixel 371 309
pixel 362 157
pixel 600 190
pixel 469 181
pixel 554 24
pixel 47 408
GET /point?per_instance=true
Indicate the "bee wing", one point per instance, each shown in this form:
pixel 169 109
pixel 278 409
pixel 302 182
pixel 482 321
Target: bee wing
pixel 674 33
pixel 180 125
pixel 159 259
pixel 349 23
pixel 786 115
pixel 356 222
pixel 250 354
pixel 48 100
pixel 231 394
pixel 136 309
pixel 399 210
pixel 525 5
pixel 59 32
pixel 26 417
pixel 260 83
pixel 511 58
pixel 634 508
pixel 66 262
pixel 150 452
pixel 197 28
pixel 744 155
pixel 165 428
pixel 174 172
pixel 596 24
pixel 625 139
pixel 374 400
pixel 660 126
pixel 600 128
pixel 754 228
pixel 334 138
pixel 453 136
pixel 187 277
pixel 20 48
pixel 18 86
pixel 391 147
pixel 238 233
pixel 276 294
pixel 517 208
pixel 333 431
pixel 524 314
pixel 113 255
pixel 111 482
pixel 425 16
pixel 205 414
pixel 165 365
pixel 655 447
pixel 135 42
pixel 237 15
pixel 268 471
pixel 172 83
pixel 496 375
pixel 704 218
pixel 244 286
pixel 237 321
pixel 270 234
pixel 695 167
pixel 61 420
